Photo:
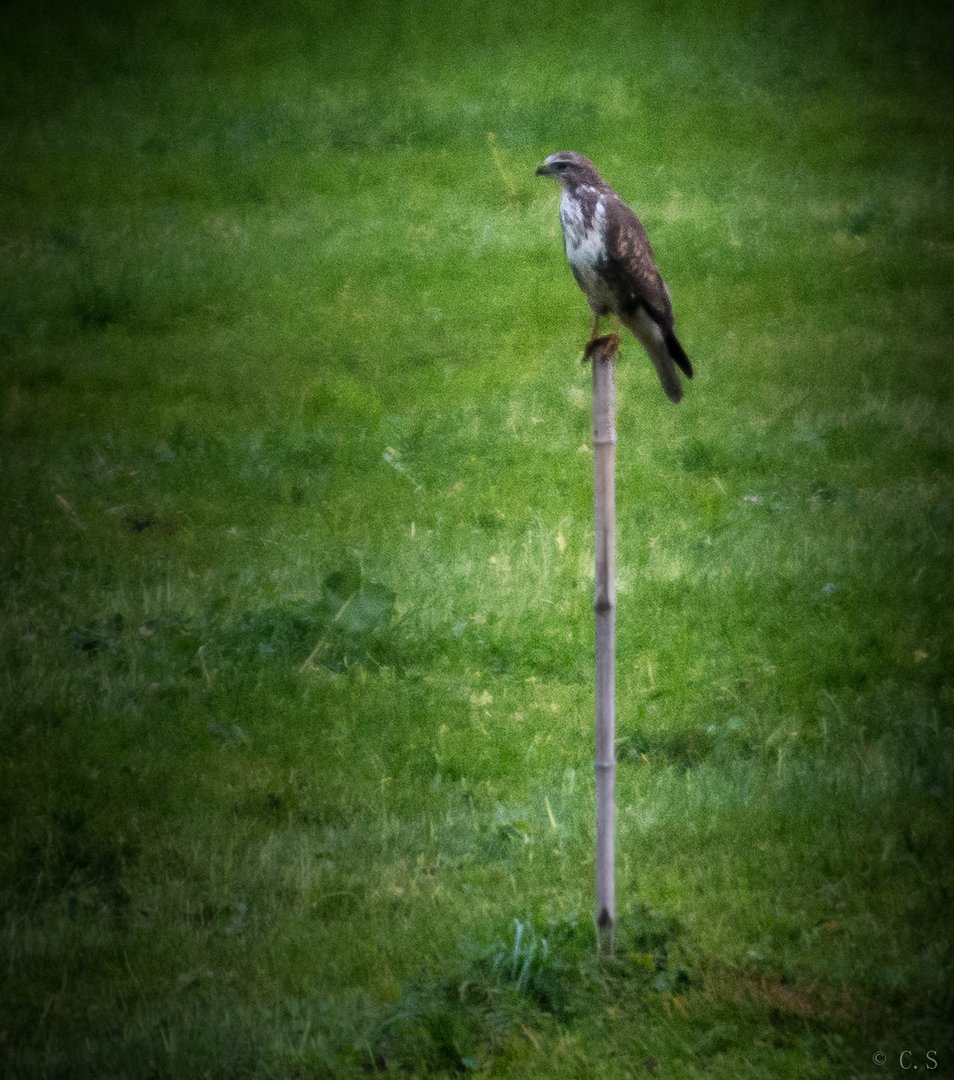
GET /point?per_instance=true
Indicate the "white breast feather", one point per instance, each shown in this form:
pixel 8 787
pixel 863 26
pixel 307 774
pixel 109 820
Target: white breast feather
pixel 585 249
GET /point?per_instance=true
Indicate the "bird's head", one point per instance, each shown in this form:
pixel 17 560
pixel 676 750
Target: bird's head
pixel 570 169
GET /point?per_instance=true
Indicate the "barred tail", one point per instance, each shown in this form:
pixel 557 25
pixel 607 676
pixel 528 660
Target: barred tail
pixel 678 353
pixel 664 351
pixel 666 370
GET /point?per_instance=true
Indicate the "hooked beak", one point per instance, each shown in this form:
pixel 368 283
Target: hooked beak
pixel 544 170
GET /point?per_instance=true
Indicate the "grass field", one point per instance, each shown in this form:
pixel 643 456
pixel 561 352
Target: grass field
pixel 296 643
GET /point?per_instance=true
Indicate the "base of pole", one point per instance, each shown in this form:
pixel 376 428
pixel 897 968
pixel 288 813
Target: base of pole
pixel 605 933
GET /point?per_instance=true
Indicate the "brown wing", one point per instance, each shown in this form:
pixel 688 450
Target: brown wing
pixel 630 269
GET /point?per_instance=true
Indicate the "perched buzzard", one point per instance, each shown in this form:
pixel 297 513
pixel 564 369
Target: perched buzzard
pixel 611 259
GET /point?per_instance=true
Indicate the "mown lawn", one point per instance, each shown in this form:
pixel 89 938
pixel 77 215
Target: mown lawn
pixel 296 676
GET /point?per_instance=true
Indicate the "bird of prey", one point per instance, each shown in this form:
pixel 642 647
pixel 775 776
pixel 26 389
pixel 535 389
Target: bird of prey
pixel 610 256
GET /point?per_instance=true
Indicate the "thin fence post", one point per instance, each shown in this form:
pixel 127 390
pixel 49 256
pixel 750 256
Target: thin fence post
pixel 603 357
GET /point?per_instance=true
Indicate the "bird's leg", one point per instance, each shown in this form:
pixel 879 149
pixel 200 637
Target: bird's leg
pixel 607 340
pixel 594 330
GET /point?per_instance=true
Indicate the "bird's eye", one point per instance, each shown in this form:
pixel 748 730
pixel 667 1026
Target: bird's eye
pixel 559 164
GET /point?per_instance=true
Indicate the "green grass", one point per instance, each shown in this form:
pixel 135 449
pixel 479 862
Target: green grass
pixel 296 677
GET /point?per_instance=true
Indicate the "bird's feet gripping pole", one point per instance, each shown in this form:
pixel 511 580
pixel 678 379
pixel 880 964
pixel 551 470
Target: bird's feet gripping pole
pixel 603 347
